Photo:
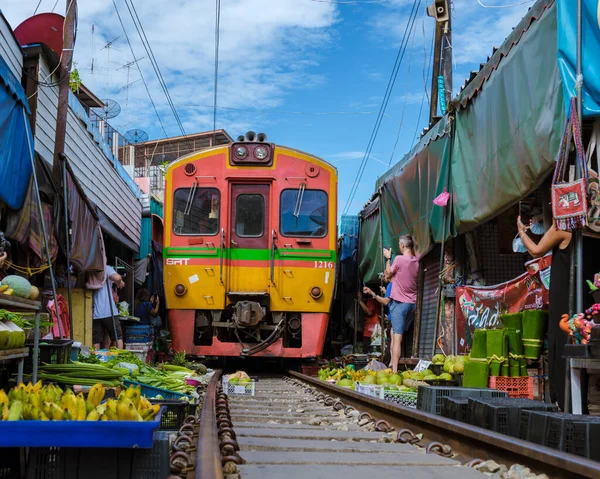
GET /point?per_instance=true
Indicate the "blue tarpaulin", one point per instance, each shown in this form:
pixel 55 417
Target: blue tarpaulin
pixel 15 162
pixel 349 234
pixel 567 52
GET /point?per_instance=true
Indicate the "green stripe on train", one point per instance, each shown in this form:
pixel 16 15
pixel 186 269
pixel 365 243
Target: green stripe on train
pixel 248 254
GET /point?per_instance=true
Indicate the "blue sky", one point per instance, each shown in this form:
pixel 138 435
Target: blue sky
pixel 311 74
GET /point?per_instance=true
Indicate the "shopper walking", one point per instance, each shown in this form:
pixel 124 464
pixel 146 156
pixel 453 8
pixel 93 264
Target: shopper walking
pixel 559 242
pixel 402 273
pixel 105 315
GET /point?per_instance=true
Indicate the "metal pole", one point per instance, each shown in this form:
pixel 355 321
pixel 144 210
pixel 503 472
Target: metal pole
pixel 43 225
pixel 67 242
pixel 447 57
pixel 382 322
pixel 579 236
pixel 576 270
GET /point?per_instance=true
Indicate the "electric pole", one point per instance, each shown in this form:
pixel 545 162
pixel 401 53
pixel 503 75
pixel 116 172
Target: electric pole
pixel 442 58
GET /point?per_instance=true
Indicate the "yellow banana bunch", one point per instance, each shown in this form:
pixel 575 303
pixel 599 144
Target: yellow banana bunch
pixel 34 402
pixel 96 394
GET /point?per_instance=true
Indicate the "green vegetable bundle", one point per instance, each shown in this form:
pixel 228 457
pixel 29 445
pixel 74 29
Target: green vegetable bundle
pixel 80 374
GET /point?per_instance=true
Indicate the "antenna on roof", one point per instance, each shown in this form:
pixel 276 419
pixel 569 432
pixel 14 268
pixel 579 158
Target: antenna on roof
pixel 108 46
pixel 126 87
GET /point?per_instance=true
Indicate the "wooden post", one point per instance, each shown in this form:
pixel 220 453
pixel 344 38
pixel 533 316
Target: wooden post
pixel 437 47
pixel 63 89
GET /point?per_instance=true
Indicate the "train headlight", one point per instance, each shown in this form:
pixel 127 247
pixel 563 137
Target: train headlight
pixel 180 290
pixel 316 292
pixel 260 153
pixel 241 152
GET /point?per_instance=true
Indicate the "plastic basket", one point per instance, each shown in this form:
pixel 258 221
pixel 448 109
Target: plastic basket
pixel 152 392
pixel 515 387
pixel 572 433
pixel 402 398
pixel 373 390
pixel 10 464
pixel 502 414
pixel 78 434
pixel 239 389
pixel 455 408
pixel 100 463
pixel 430 397
pixel 138 334
pixel 175 412
pixel 51 351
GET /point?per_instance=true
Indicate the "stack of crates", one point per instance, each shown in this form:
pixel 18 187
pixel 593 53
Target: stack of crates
pixel 502 414
pixel 430 398
pixel 455 408
pixel 139 334
pixel 572 433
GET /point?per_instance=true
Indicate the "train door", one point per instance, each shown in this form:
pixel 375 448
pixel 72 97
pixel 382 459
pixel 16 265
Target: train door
pixel 249 239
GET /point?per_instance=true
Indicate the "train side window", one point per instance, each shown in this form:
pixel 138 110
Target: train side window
pixel 249 215
pixel 196 211
pixel 303 213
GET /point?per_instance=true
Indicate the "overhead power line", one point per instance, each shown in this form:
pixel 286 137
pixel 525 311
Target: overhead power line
pixel 504 6
pixel 140 70
pixel 386 98
pixel 146 44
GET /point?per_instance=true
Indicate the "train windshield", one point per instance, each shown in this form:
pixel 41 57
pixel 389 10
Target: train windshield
pixel 305 218
pixel 196 211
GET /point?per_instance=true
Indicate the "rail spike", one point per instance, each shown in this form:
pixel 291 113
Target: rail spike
pixel 383 426
pixel 406 436
pixel 439 449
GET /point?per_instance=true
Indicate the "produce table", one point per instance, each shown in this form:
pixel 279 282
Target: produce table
pixel 19 305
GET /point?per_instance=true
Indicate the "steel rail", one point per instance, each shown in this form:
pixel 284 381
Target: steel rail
pixel 467 441
pixel 208 456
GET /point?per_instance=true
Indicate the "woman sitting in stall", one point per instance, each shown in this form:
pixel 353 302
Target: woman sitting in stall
pixel 146 307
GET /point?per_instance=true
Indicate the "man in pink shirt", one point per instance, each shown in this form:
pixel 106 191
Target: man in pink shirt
pixel 403 273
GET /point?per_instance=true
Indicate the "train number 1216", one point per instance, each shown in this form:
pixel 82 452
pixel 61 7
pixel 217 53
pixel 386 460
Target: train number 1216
pixel 324 264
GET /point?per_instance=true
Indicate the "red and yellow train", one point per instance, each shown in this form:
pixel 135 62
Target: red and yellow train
pixel 250 250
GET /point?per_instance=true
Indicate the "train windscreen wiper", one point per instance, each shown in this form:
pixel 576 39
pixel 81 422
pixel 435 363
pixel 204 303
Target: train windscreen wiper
pixel 188 204
pixel 299 199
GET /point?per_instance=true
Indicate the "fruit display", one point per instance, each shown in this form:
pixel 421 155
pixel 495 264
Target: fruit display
pixel 17 286
pixel 50 403
pixel 451 364
pixel 240 377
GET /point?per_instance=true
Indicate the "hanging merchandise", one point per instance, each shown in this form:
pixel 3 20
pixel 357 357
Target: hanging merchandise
pixel 593 216
pixel 569 198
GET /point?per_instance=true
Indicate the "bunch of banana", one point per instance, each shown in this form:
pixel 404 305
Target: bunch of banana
pixel 37 403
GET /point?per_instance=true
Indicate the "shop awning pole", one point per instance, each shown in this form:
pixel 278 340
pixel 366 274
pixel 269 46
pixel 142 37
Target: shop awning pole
pixel 67 241
pixel 36 188
pixel 576 270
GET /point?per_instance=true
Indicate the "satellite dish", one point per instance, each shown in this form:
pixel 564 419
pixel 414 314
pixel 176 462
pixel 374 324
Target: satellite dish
pixel 111 109
pixel 136 136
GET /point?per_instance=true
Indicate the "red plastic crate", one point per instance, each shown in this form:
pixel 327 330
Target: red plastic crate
pixel 515 387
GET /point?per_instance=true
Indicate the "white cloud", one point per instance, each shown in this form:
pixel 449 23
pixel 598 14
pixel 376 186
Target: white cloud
pixel 267 50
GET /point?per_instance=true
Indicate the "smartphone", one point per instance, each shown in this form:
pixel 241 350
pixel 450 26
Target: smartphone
pixel 525 212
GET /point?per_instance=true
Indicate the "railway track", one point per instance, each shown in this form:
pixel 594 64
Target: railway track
pixel 297 426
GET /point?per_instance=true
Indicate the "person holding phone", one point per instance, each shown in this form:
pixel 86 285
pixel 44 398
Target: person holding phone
pixel 559 242
pixel 402 273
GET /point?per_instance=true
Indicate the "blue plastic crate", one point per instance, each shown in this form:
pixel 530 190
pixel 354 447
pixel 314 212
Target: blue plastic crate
pixel 122 434
pixel 142 329
pixel 152 392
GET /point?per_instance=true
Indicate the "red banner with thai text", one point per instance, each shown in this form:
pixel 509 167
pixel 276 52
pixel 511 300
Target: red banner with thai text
pixel 479 307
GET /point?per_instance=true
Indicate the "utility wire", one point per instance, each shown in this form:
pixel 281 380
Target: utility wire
pixel 504 6
pixel 146 44
pixel 284 112
pixel 405 97
pixel 38 6
pixel 217 34
pixel 139 69
pixel 384 103
pixel 427 65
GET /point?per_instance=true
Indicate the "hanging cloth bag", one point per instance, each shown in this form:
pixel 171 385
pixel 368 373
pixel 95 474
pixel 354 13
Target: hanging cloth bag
pixel 593 216
pixel 569 198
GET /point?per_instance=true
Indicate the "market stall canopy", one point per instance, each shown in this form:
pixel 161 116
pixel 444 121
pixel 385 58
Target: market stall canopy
pixel 371 257
pixel 15 135
pixel 509 122
pixel 567 52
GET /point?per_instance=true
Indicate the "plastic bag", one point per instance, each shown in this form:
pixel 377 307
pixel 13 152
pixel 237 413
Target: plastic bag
pixel 375 366
pixel 123 308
